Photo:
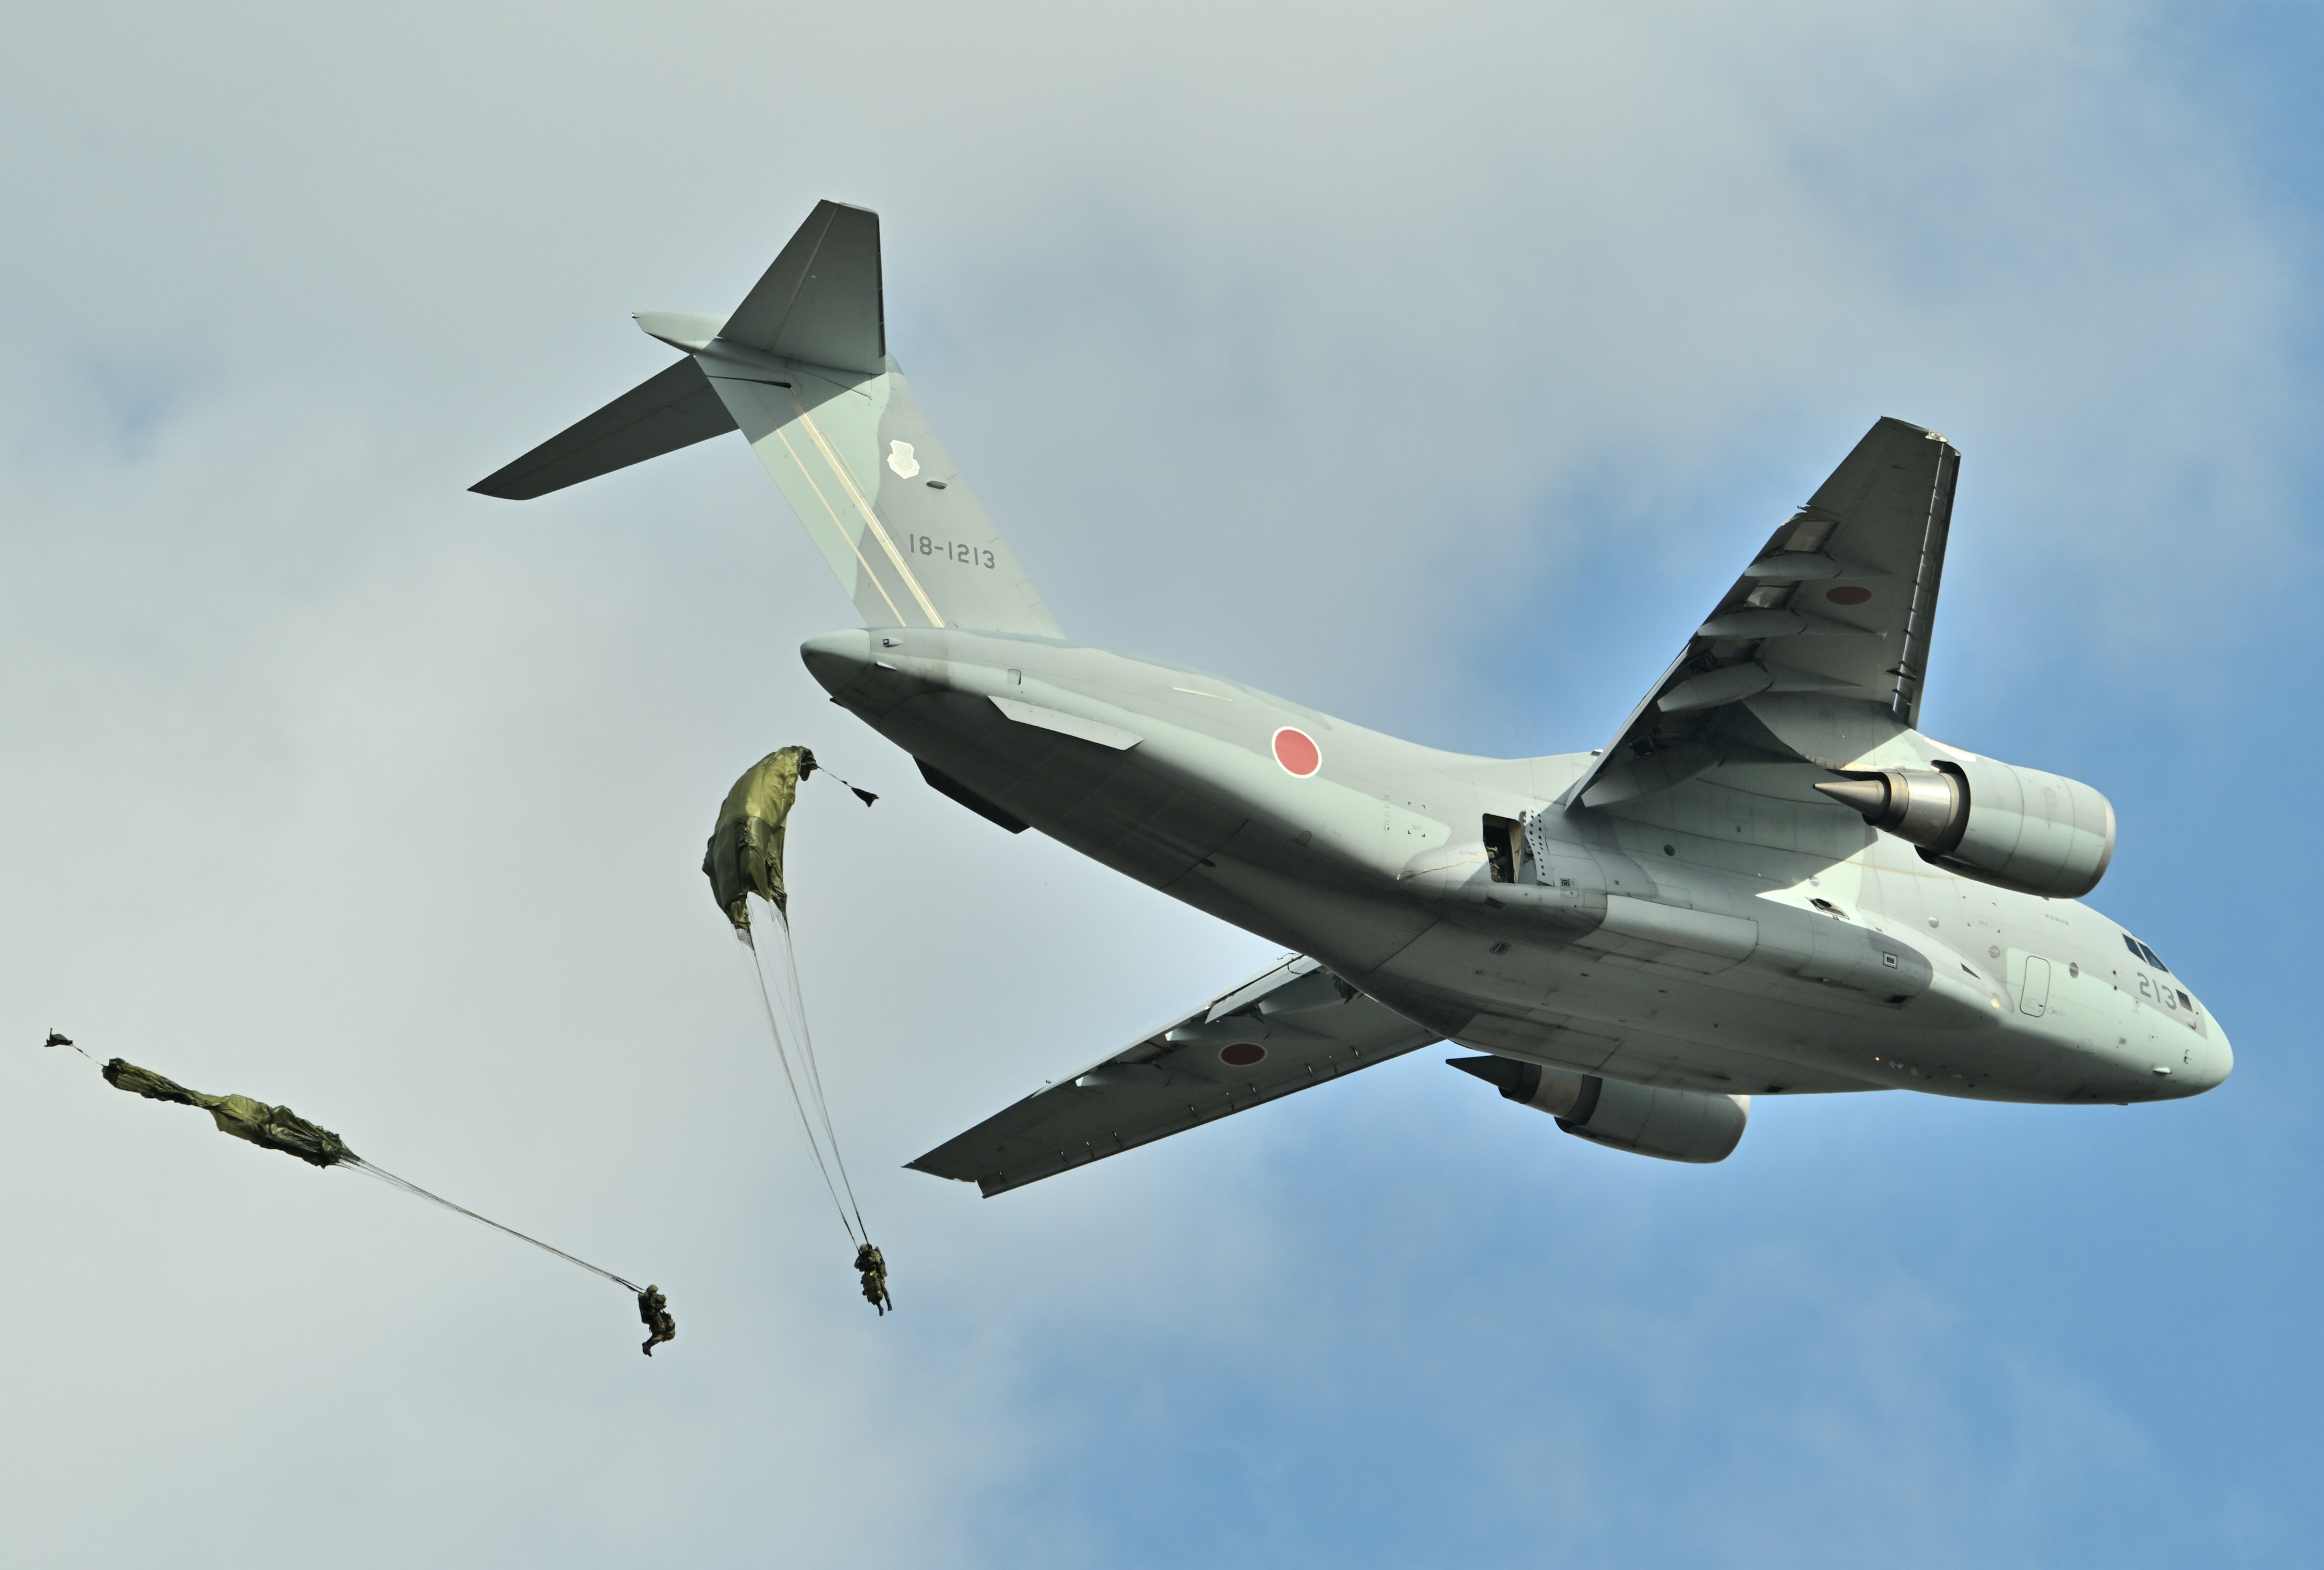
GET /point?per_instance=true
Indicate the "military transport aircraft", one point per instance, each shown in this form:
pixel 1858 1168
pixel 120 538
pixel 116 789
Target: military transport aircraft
pixel 1769 883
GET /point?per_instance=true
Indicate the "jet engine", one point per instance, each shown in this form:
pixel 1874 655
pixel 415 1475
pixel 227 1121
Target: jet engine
pixel 1677 1125
pixel 2017 829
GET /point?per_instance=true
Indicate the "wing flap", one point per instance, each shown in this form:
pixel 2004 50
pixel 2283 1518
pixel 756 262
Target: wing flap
pixel 1231 1054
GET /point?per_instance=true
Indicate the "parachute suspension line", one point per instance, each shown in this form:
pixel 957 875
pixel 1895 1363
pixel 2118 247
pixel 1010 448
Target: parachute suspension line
pixel 798 1100
pixel 797 997
pixel 392 1181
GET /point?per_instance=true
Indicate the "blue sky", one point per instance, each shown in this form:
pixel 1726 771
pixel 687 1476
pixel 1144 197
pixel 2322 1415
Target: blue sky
pixel 1436 370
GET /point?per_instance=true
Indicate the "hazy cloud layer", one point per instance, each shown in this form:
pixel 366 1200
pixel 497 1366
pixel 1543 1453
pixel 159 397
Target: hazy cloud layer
pixel 1435 370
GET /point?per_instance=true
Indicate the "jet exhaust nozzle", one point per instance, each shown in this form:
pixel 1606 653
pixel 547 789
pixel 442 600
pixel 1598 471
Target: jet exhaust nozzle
pixel 1659 1121
pixel 2017 829
pixel 1868 797
pixel 1925 808
pixel 1504 1073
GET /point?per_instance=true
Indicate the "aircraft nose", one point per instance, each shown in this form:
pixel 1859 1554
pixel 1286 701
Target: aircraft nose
pixel 2218 1058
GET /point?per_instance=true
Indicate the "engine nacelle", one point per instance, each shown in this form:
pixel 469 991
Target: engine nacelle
pixel 2018 828
pixel 1675 1125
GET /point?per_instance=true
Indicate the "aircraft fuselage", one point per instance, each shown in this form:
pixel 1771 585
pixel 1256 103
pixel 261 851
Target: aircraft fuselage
pixel 1747 936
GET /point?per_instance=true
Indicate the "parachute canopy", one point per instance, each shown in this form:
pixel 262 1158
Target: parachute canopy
pixel 746 849
pixel 271 1127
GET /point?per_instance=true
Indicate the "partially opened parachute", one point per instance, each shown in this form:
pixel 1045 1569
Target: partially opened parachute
pixel 278 1128
pixel 270 1128
pixel 746 848
pixel 745 857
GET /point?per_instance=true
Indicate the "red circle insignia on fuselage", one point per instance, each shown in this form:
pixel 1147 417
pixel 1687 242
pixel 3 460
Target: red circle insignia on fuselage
pixel 1297 751
pixel 1242 1054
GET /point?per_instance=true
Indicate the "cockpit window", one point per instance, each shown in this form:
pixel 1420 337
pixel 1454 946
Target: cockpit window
pixel 2132 943
pixel 2154 959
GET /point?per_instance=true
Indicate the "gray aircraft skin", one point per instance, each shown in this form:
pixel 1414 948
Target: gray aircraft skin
pixel 1769 883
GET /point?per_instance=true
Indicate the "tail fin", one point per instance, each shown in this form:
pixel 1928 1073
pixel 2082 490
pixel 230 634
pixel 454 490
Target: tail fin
pixel 802 369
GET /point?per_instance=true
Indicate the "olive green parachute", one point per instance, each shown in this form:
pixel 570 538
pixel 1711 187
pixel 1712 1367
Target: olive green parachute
pixel 745 856
pixel 271 1127
pixel 278 1128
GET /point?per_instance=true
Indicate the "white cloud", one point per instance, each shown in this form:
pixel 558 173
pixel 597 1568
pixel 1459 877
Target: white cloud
pixel 1342 356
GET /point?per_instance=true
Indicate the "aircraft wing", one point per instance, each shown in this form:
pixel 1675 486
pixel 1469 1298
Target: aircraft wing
pixel 1292 1026
pixel 1840 603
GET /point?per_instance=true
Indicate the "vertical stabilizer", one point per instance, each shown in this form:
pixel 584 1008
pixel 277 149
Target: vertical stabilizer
pixel 820 302
pixel 878 494
pixel 801 368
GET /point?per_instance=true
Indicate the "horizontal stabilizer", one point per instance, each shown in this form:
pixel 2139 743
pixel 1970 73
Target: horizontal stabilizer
pixel 820 302
pixel 673 410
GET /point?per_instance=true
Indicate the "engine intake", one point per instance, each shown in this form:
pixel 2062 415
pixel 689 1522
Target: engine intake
pixel 2017 829
pixel 1674 1125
